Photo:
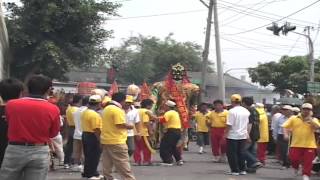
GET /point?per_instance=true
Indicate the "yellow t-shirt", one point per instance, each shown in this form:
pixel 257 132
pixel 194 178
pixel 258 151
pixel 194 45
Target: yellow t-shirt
pixel 218 119
pixel 144 118
pixel 172 119
pixel 302 132
pixel 263 127
pixel 110 134
pixel 69 114
pixel 90 120
pixel 201 120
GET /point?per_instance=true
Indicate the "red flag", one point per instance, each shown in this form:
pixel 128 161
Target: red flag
pixel 113 89
pixel 145 91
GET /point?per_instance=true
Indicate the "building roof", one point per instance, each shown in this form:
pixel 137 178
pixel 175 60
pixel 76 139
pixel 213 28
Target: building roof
pixel 212 80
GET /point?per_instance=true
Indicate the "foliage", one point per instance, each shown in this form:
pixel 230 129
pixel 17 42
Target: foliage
pixel 289 73
pixel 50 36
pixel 149 58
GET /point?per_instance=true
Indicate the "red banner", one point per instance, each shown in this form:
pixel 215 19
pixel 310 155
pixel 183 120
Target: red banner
pixel 145 91
pixel 113 89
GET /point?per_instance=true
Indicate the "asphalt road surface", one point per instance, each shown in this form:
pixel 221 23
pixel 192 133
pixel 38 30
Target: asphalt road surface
pixel 197 167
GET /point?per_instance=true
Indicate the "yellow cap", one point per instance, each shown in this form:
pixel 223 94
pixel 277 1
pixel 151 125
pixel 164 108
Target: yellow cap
pixel 106 99
pixel 236 98
pixel 129 99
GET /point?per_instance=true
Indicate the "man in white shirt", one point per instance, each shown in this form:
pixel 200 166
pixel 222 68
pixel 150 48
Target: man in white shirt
pixel 77 136
pixel 132 117
pixel 237 135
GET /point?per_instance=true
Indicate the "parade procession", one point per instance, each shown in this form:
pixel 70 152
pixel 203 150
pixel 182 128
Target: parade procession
pixel 122 90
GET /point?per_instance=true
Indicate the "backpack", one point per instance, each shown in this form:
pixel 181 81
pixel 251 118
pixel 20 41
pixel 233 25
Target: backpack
pixel 254 119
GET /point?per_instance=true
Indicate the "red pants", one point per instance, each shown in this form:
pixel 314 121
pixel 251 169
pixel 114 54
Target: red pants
pixel 261 152
pixel 218 142
pixel 302 156
pixel 141 147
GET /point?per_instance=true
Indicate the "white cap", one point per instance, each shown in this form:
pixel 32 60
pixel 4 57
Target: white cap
pixel 306 106
pixel 170 103
pixel 95 98
pixel 287 107
pixel 296 109
pixel 259 105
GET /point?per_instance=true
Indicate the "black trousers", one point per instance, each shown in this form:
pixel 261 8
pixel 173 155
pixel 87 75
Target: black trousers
pixel 168 146
pixel 68 149
pixel 235 154
pixel 3 139
pixel 283 148
pixel 92 152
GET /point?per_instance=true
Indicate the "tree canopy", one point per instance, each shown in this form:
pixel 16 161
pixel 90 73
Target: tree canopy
pixel 50 36
pixel 149 59
pixel 289 73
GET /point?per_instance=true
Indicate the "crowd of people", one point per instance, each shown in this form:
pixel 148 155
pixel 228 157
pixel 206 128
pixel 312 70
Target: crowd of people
pixel 114 129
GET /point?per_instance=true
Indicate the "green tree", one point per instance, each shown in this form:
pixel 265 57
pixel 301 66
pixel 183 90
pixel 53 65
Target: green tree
pixel 289 73
pixel 149 58
pixel 50 36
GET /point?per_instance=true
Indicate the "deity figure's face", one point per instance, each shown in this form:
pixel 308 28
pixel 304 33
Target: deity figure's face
pixel 178 72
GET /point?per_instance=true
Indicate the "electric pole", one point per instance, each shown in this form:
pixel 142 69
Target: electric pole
pixel 221 83
pixel 310 55
pixel 205 54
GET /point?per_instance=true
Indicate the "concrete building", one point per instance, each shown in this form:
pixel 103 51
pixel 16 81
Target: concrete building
pixel 234 85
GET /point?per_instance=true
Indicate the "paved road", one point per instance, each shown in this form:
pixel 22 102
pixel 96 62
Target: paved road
pixel 197 167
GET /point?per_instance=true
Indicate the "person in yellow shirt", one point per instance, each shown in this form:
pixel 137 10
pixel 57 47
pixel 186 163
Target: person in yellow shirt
pixel 76 103
pixel 202 126
pixel 264 133
pixel 113 139
pixel 169 141
pixel 303 143
pixel 91 128
pixel 142 143
pixel 217 121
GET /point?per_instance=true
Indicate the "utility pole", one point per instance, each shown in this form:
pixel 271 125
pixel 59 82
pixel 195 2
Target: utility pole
pixel 221 83
pixel 205 54
pixel 310 55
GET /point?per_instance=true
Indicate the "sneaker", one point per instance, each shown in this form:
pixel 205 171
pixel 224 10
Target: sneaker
pixel 305 177
pixel 316 160
pixel 257 165
pixel 284 168
pixel 233 173
pixel 136 164
pixel 78 168
pixel 66 166
pixel 166 164
pixel 95 178
pixel 147 164
pixel 216 159
pixel 180 163
pixel 243 173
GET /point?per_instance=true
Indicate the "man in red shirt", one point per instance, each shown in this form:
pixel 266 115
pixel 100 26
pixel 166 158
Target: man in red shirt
pixel 32 121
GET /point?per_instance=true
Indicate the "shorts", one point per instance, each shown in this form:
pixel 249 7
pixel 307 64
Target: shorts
pixel 202 138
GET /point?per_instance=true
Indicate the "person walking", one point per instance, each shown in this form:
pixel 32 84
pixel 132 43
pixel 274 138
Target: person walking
pixel 217 121
pixel 77 153
pixel 170 139
pixel 278 135
pixel 250 152
pixel 303 142
pixel 237 135
pixel 73 107
pixel 113 139
pixel 202 126
pixel 142 142
pixel 9 89
pixel 264 133
pixel 132 117
pixel 91 128
pixel 32 121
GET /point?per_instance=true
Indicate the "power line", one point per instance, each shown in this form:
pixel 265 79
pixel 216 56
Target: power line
pixel 237 8
pixel 229 20
pixel 294 45
pixel 253 48
pixel 253 29
pixel 163 14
